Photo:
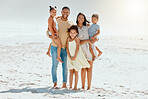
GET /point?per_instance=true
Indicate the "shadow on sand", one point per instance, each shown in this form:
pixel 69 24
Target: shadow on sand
pixel 42 90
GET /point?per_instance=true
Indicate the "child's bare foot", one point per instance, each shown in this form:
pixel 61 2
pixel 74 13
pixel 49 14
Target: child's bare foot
pixel 75 88
pixel 59 59
pixel 94 57
pixel 99 53
pixel 64 85
pixel 48 54
pixel 88 88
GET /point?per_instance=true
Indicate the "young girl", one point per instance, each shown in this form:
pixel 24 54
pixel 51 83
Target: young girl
pixel 75 57
pixel 52 32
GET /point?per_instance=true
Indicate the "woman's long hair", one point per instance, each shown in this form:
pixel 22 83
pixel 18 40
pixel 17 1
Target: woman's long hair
pixel 85 20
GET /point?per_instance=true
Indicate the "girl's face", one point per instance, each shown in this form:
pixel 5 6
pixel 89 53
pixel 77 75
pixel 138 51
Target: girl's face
pixel 73 33
pixel 53 12
pixel 80 19
pixel 94 20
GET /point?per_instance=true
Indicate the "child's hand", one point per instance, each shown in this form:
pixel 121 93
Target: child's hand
pixel 73 58
pixel 92 37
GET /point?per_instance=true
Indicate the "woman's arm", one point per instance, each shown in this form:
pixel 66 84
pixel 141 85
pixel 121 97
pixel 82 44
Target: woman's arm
pixel 77 48
pixel 67 48
pixel 86 41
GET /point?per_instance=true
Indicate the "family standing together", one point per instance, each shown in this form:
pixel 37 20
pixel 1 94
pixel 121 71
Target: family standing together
pixel 73 46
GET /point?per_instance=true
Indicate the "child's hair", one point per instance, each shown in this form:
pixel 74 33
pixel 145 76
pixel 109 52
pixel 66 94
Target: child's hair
pixel 85 20
pixel 51 8
pixel 96 16
pixel 73 27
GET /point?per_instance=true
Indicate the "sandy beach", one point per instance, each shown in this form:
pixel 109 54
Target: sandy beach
pixel 120 73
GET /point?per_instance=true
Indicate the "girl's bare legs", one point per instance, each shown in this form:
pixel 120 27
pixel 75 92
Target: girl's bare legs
pixel 76 79
pixel 57 40
pixel 89 74
pixel 98 51
pixel 83 76
pixel 92 52
pixel 48 52
pixel 71 78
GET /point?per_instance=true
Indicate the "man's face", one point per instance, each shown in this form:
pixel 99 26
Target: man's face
pixel 65 13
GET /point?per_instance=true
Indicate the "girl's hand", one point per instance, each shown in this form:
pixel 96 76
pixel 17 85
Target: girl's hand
pixel 73 58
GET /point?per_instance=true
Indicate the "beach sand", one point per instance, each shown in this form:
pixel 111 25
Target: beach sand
pixel 119 73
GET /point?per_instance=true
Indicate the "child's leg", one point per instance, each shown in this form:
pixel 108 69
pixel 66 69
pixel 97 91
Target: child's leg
pixel 92 52
pixel 48 52
pixel 59 44
pixel 83 76
pixel 98 51
pixel 76 80
pixel 71 78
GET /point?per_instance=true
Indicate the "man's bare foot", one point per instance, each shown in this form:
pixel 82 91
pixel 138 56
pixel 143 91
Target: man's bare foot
pixel 64 85
pixel 99 53
pixel 59 59
pixel 55 86
pixel 48 54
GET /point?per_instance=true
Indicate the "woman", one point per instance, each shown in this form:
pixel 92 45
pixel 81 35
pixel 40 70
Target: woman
pixel 84 41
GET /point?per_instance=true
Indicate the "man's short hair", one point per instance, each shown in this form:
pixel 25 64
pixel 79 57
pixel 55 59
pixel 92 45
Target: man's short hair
pixel 66 8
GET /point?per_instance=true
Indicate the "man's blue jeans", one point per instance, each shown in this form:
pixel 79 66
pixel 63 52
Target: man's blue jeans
pixel 55 62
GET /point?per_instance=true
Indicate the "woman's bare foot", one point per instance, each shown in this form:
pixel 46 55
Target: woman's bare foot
pixel 83 88
pixel 99 53
pixel 59 59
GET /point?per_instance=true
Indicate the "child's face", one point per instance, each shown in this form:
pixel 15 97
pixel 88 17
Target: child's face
pixel 73 33
pixel 94 20
pixel 53 12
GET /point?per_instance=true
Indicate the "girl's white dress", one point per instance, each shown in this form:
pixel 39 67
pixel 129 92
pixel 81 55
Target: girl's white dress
pixel 80 61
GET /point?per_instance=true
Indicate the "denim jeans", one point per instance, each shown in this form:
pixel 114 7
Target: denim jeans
pixel 55 62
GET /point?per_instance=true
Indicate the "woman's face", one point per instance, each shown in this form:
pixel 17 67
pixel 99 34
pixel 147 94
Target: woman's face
pixel 80 19
pixel 73 33
pixel 53 12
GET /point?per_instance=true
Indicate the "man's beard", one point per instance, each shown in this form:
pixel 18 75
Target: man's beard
pixel 65 17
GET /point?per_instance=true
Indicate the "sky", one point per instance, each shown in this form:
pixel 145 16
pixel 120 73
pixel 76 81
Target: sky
pixel 116 17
